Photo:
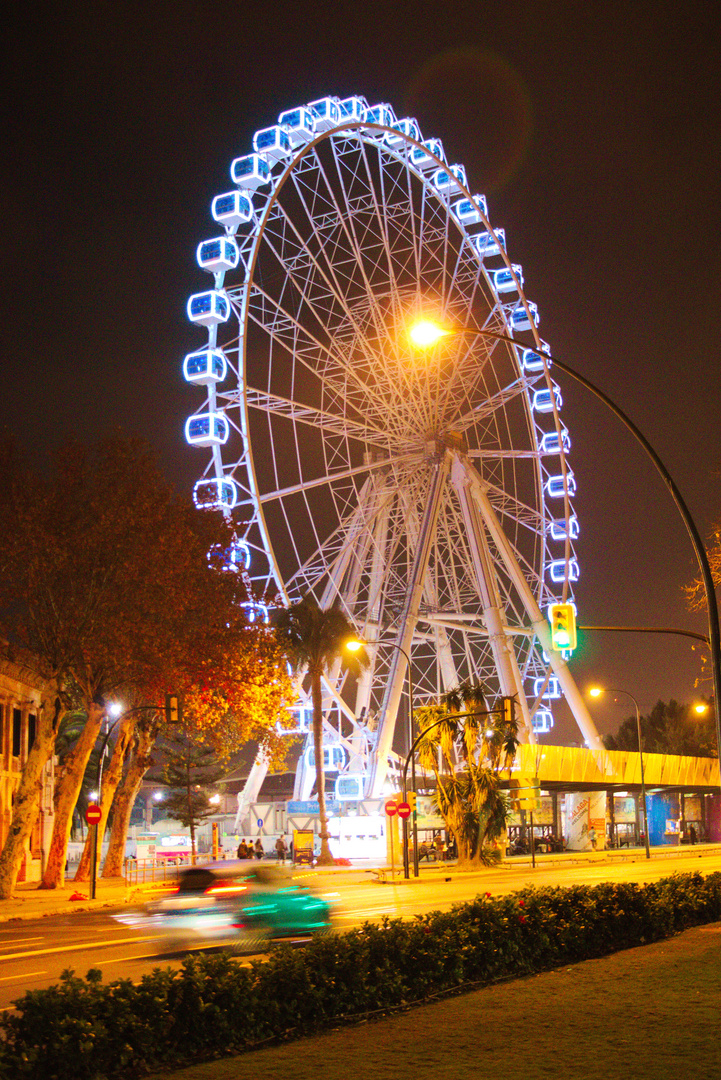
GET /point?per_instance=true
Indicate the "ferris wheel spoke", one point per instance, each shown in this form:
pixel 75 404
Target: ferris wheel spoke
pixel 334 478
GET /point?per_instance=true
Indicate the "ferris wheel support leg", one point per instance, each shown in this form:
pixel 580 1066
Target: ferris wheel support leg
pixel 502 646
pixel 251 790
pixel 406 627
pixel 539 623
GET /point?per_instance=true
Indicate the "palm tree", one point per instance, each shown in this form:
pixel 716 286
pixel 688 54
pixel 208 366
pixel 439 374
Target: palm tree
pixel 314 639
pixel 473 750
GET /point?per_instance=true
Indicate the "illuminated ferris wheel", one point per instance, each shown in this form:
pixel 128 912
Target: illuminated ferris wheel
pixel 427 493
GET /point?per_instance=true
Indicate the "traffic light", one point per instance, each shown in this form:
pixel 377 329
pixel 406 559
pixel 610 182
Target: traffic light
pixel 562 618
pixel 411 800
pixel 173 709
pixel 509 711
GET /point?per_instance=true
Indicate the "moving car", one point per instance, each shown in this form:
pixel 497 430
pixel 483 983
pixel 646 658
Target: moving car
pixel 237 904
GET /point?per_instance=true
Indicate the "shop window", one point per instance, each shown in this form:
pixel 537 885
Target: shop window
pixel 32 728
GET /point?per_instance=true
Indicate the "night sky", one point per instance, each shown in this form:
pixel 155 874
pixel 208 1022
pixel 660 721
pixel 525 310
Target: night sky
pixel 593 128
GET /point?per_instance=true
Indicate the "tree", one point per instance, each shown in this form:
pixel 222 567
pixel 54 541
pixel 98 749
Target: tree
pixel 106 580
pixel 313 640
pixel 191 773
pixel 670 728
pixel 473 751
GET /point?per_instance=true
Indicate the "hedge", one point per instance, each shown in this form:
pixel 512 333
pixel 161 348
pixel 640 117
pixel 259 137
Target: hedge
pixel 84 1030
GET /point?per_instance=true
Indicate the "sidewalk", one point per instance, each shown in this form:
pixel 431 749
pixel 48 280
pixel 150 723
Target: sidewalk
pixel 649 1013
pixel 29 902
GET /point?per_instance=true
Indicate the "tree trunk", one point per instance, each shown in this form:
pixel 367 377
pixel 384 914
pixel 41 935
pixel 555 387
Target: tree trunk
pixel 110 780
pixel 325 858
pixel 67 789
pixel 139 762
pixel 27 797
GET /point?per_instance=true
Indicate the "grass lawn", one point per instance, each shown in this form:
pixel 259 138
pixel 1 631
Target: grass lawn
pixel 652 1012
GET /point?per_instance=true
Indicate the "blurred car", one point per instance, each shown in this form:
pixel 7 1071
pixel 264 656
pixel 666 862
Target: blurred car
pixel 237 904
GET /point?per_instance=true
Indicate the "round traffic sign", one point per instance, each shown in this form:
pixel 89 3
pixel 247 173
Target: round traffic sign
pixel 391 808
pixel 404 810
pixel 93 814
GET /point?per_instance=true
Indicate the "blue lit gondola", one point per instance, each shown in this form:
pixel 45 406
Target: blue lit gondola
pixel 552 691
pixel 486 244
pixel 403 130
pixel 450 177
pixel 542 721
pixel 215 494
pixel 232 208
pixel 207 429
pixel 468 211
pixel 559 570
pixel 421 156
pixel 352 108
pixel 505 280
pixel 273 143
pixel 557 489
pixel 334 757
pixel 205 367
pixel 325 113
pixel 558 529
pixel 381 114
pixel 551 444
pixel 217 255
pixel 533 361
pixel 525 320
pixel 543 400
pixel 250 171
pixel 256 612
pixel 208 308
pixel 299 124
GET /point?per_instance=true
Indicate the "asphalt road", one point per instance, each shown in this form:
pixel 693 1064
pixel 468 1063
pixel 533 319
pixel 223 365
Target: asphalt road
pixel 34 952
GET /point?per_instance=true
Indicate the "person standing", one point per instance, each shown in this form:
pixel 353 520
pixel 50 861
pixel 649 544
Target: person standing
pixel 242 850
pixel 259 853
pixel 281 848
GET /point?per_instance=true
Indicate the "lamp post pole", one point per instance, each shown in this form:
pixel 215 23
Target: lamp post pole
pixel 640 754
pixel 404 788
pixel 714 634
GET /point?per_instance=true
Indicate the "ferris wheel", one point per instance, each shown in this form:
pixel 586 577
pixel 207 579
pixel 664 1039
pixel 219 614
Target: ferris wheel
pixel 426 493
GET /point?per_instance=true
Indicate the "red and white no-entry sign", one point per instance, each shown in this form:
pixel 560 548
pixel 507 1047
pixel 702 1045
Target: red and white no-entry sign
pixel 93 814
pixel 391 808
pixel 404 810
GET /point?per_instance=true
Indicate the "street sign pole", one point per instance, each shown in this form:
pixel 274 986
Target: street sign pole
pixel 93 816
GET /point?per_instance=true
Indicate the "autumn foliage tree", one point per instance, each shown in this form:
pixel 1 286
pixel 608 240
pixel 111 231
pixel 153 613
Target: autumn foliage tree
pixel 106 579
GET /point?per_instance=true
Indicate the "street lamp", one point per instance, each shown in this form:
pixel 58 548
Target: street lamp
pixel 421 335
pixel 353 646
pixel 595 692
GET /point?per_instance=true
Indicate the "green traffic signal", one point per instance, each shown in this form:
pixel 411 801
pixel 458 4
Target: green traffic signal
pixel 562 618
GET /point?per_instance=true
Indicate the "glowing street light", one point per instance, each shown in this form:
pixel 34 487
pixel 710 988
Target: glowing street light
pixel 701 708
pixel 595 692
pixel 425 333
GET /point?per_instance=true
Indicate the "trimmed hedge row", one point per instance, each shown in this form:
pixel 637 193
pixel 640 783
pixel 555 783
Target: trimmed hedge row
pixel 84 1030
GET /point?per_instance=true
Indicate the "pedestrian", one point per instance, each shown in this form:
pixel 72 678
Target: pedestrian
pixel 692 834
pixel 242 850
pixel 423 850
pixel 281 848
pixel 440 847
pixel 259 853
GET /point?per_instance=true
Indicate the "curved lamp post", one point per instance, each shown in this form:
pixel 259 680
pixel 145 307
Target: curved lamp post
pixel 425 334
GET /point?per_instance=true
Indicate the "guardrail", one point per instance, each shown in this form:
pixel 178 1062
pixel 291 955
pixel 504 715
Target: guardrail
pixel 165 867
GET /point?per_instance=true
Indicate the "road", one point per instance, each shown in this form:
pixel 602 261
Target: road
pixel 34 952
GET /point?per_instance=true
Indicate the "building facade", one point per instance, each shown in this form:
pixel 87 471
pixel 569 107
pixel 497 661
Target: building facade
pixel 21 697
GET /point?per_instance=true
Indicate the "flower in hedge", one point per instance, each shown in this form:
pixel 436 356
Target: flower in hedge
pixel 488 895
pixel 522 918
pixel 521 903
